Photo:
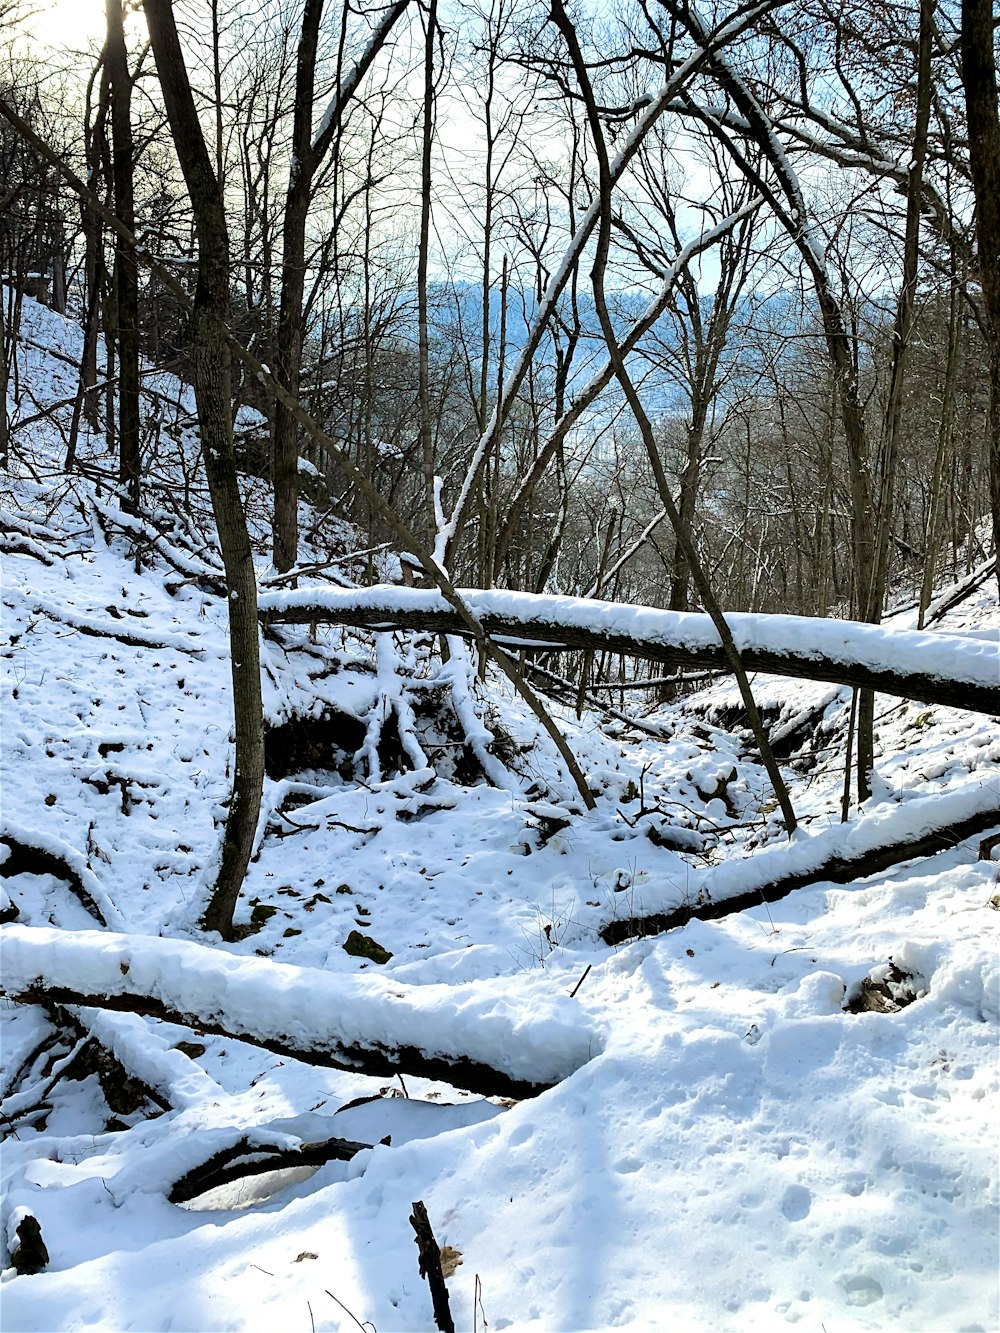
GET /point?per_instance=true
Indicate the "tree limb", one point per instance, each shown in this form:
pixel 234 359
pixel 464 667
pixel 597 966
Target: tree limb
pixel 867 656
pixel 871 846
pixel 363 1024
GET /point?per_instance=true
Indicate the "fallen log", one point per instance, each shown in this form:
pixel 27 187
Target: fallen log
pixel 25 853
pixel 246 1158
pixel 484 1038
pixel 839 855
pixel 948 669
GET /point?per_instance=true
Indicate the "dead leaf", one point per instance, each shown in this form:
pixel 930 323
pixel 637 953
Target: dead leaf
pixel 450 1260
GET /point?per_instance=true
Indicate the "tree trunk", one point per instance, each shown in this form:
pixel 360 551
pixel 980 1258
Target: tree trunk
pixel 210 358
pixel 423 326
pixel 288 357
pixel 307 154
pixel 126 272
pixel 793 217
pixel 698 574
pixel 300 1013
pixel 979 77
pixel 890 663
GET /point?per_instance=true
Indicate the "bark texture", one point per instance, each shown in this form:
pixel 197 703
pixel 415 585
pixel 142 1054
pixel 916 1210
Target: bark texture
pixel 211 367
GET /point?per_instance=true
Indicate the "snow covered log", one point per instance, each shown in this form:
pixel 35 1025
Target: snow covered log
pixel 490 1037
pixel 250 1158
pixel 949 669
pixel 841 855
pixel 31 852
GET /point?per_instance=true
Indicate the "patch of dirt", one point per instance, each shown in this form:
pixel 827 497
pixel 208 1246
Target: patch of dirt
pixel 305 743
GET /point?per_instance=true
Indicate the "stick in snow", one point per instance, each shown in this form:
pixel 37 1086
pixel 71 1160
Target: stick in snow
pixel 430 1267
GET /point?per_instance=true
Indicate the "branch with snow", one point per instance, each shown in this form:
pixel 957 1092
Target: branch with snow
pixel 957 671
pixel 842 854
pixel 484 1037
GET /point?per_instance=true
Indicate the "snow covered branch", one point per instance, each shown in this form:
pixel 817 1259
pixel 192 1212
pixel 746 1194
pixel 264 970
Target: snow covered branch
pixel 949 670
pixel 841 855
pixel 484 1038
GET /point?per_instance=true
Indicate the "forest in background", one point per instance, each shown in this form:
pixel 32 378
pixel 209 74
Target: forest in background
pixel 412 208
pixel 288 225
pixel 500 669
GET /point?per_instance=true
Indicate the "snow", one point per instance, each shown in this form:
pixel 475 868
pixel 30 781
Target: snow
pixel 529 1030
pixel 967 658
pixel 726 1146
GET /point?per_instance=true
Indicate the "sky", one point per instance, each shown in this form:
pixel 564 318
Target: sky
pixel 70 23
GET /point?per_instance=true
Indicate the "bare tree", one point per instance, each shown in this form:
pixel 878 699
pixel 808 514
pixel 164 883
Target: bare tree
pixel 979 79
pixel 605 184
pixel 126 271
pixel 210 361
pixel 308 152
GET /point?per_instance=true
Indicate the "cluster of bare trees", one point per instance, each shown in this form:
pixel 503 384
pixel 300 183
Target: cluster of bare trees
pixel 692 307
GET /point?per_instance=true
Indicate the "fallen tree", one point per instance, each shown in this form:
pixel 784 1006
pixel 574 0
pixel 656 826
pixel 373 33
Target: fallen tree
pixel 483 1038
pixel 32 852
pixel 248 1157
pixel 840 855
pixel 950 670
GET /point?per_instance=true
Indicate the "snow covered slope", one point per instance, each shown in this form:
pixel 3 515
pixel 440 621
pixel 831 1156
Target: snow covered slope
pixel 735 1142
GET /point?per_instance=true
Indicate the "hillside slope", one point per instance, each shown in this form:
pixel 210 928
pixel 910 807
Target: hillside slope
pixel 782 1116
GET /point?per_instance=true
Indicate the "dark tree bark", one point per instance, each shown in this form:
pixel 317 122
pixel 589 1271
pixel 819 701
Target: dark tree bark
pixel 307 155
pixel 426 425
pixel 210 358
pixel 430 1267
pixel 907 298
pixel 126 271
pixel 93 261
pixel 979 78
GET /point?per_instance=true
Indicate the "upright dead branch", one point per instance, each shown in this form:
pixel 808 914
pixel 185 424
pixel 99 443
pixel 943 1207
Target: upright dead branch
pixel 430 1267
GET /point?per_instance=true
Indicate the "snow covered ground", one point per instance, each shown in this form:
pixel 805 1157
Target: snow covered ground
pixel 727 1146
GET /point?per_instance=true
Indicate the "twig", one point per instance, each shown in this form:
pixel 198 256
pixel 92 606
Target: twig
pixel 477 1306
pixel 366 1324
pixel 586 973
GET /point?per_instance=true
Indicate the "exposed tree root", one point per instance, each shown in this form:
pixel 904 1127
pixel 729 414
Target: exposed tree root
pixel 25 859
